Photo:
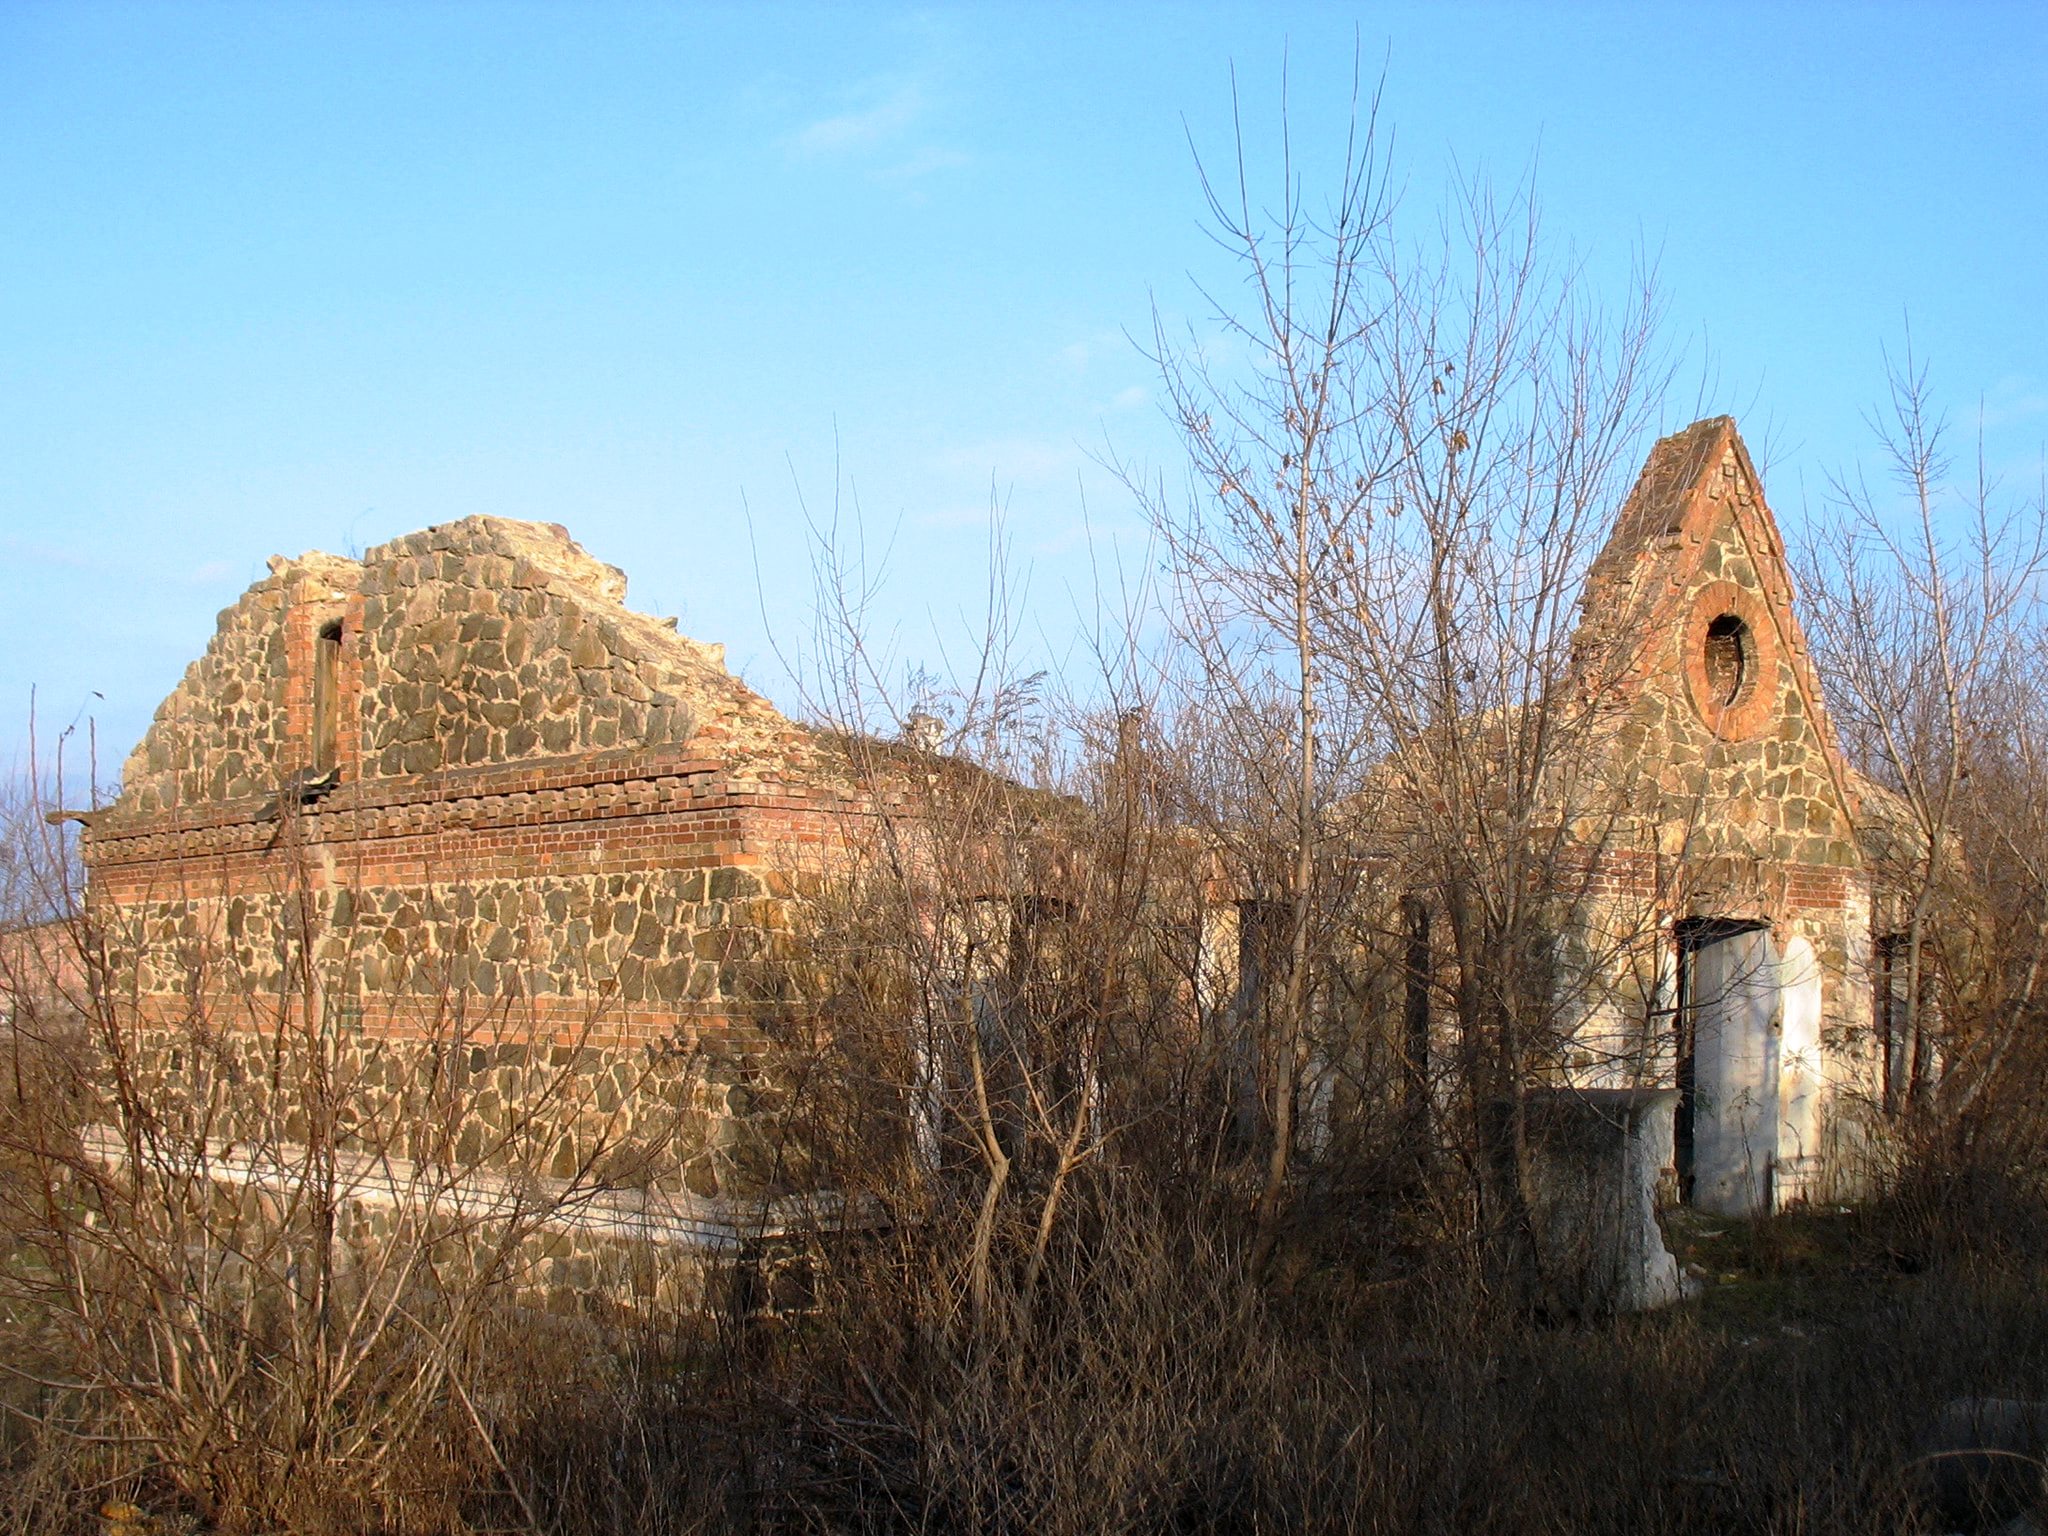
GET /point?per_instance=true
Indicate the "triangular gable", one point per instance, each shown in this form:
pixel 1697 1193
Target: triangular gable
pixel 1692 481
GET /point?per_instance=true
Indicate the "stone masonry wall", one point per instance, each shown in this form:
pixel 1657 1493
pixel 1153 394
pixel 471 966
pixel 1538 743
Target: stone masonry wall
pixel 555 826
pixel 472 643
pixel 1751 813
pixel 1753 789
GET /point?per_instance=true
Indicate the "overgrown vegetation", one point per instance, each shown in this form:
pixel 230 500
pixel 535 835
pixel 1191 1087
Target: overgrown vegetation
pixel 1167 1226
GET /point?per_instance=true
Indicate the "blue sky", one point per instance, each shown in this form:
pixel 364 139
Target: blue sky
pixel 284 277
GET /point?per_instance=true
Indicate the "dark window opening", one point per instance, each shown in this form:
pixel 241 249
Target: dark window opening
pixel 327 698
pixel 1264 932
pixel 1415 1005
pixel 1890 1016
pixel 1728 659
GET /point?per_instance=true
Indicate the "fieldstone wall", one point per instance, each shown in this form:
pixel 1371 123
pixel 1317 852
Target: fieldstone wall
pixel 1747 784
pixel 672 989
pixel 226 732
pixel 473 1094
pixel 1708 784
pixel 1597 1158
pixel 560 846
pixel 1749 810
pixel 483 641
pixel 706 936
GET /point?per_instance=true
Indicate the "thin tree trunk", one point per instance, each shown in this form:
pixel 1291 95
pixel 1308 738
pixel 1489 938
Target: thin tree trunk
pixel 1286 1068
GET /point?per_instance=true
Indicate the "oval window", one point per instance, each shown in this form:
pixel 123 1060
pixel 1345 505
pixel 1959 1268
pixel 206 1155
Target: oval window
pixel 1730 660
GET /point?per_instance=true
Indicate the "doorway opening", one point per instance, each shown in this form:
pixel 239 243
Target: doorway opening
pixel 1728 1020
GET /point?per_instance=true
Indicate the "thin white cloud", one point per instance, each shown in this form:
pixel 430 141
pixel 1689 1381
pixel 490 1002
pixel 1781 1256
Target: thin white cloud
pixel 35 551
pixel 865 128
pixel 2013 402
pixel 1067 536
pixel 941 519
pixel 885 136
pixel 1078 355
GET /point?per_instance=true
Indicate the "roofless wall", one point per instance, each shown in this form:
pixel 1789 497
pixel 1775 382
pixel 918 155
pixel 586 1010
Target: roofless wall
pixel 455 799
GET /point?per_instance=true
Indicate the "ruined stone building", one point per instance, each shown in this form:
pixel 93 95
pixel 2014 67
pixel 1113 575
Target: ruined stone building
pixel 459 813
pixel 456 810
pixel 1788 1047
pixel 1726 915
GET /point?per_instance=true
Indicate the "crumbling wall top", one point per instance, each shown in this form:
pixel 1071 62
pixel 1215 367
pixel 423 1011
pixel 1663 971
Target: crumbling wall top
pixel 546 545
pixel 478 641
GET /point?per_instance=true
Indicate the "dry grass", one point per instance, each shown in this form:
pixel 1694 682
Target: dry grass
pixel 1145 1381
pixel 1153 1389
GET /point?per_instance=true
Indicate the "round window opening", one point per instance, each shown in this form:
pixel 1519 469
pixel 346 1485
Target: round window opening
pixel 1730 660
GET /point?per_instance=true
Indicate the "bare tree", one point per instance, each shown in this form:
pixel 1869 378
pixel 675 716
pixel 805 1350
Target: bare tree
pixel 1399 480
pixel 275 1256
pixel 1511 403
pixel 1928 610
pixel 1283 460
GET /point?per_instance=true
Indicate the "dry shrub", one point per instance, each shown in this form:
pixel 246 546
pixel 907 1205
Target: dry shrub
pixel 1972 1188
pixel 1147 1387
